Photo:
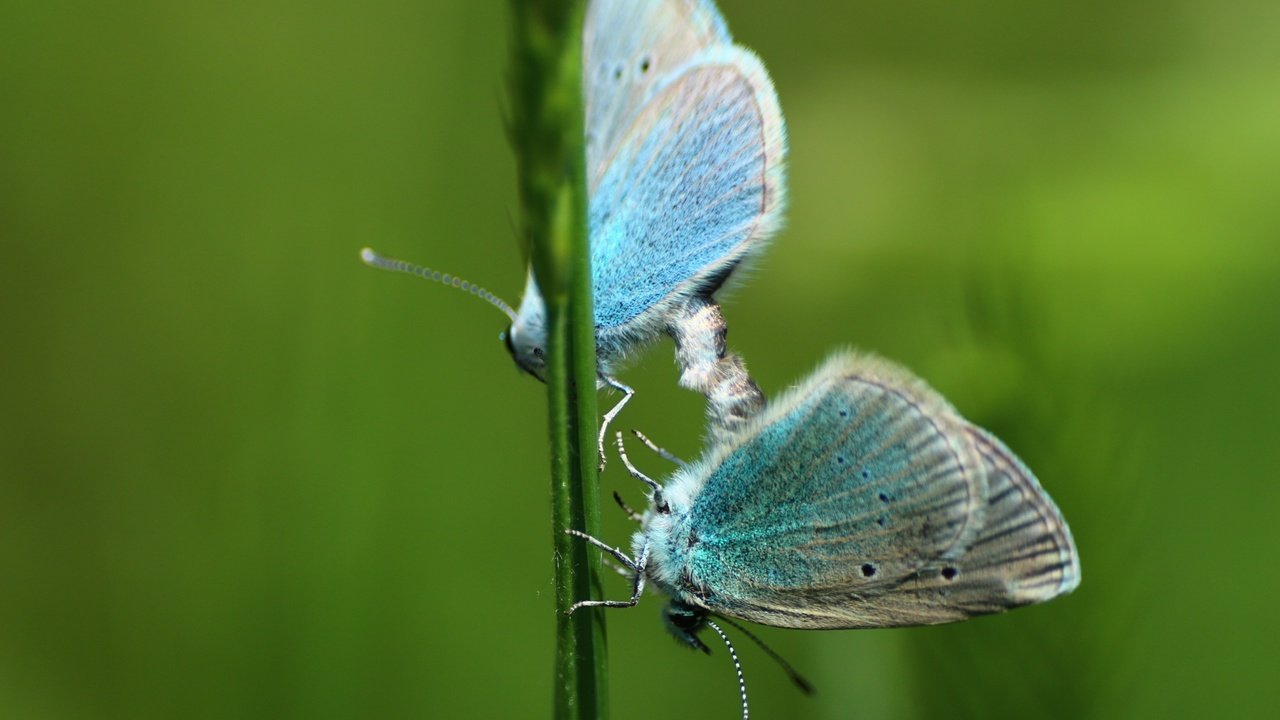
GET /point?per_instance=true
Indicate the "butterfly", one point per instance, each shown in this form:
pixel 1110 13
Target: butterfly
pixel 859 499
pixel 685 145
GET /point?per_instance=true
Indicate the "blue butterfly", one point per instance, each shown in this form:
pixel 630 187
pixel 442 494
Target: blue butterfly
pixel 685 146
pixel 860 499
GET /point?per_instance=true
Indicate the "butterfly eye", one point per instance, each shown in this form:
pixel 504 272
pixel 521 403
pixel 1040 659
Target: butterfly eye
pixel 660 503
pixel 537 352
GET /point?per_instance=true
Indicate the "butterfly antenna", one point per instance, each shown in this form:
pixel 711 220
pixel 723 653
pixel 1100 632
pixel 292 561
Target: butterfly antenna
pixel 737 666
pixel 374 260
pixel 805 686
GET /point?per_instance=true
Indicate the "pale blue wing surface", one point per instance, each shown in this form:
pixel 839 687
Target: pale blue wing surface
pixel 852 484
pixel 631 47
pixel 694 187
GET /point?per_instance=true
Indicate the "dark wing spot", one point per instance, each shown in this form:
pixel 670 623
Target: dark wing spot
pixel 884 498
pixel 840 459
pixel 646 62
pixel 844 413
pixel 881 520
pixel 866 474
pixel 950 573
pixel 617 72
pixel 868 570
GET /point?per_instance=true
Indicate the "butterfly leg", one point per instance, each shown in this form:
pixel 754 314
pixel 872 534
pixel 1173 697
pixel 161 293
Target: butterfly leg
pixel 637 588
pixel 622 453
pixel 614 566
pixel 632 515
pixel 622 557
pixel 660 451
pixel 613 413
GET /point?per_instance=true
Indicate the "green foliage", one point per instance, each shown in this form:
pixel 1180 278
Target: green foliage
pixel 243 476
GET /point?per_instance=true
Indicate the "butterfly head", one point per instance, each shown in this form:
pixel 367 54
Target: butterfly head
pixel 526 337
pixel 685 621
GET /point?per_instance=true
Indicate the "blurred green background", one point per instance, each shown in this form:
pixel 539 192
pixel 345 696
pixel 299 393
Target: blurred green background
pixel 241 475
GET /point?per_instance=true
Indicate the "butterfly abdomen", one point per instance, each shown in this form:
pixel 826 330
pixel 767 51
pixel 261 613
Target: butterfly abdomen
pixel 733 398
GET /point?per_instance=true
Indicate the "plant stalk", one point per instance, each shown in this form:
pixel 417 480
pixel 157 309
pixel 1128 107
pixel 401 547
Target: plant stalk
pixel 547 131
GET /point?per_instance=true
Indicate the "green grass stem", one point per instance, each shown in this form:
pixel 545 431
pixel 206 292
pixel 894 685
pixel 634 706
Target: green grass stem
pixel 547 131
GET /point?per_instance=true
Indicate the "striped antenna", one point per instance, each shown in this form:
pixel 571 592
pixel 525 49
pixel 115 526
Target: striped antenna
pixel 733 654
pixel 374 260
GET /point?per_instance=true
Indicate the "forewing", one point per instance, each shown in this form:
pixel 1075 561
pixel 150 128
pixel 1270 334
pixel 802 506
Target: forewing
pixel 695 185
pixel 934 521
pixel 1024 553
pixel 630 47
pixel 860 478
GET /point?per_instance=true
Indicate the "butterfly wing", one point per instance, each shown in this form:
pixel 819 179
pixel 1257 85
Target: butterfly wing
pixel 629 48
pixel 693 187
pixel 1025 550
pixel 1023 553
pixel 864 500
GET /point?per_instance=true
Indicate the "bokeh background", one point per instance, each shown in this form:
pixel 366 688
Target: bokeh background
pixel 243 476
